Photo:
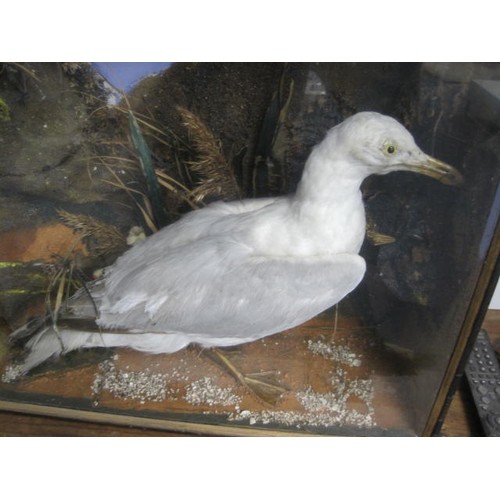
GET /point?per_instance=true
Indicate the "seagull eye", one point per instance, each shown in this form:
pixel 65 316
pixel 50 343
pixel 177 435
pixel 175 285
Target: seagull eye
pixel 390 149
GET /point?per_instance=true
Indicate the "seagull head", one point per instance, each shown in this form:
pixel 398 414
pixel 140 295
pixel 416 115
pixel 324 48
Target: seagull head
pixel 378 144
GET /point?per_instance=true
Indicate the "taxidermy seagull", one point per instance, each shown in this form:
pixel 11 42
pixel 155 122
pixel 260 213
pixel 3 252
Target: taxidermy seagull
pixel 232 273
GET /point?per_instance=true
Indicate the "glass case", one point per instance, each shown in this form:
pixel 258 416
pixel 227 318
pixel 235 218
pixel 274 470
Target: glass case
pixel 91 163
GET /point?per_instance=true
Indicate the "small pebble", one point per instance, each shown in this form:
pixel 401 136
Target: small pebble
pixel 322 409
pixel 335 352
pixel 11 374
pixel 142 385
pixel 205 391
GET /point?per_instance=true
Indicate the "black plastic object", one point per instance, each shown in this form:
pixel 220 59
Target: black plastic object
pixel 483 374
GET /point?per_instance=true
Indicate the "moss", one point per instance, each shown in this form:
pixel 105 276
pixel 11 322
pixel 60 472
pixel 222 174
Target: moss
pixel 4 265
pixel 4 111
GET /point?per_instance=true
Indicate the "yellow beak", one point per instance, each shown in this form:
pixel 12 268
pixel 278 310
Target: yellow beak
pixel 437 170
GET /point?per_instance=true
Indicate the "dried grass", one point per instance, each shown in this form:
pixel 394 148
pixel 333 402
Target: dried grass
pixel 106 238
pixel 216 177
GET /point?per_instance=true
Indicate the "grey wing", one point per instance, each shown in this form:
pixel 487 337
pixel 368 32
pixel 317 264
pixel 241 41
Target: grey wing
pixel 194 226
pixel 190 236
pixel 191 227
pixel 217 292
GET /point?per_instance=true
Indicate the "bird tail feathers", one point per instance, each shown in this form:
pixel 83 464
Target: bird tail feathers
pixel 48 340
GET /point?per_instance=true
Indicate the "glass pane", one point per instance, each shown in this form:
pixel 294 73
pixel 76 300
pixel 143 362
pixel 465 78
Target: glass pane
pixel 87 169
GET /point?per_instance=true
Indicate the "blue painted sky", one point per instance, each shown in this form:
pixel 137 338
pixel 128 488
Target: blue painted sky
pixel 124 76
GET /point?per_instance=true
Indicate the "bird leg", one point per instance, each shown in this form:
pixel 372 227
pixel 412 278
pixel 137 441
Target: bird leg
pixel 262 385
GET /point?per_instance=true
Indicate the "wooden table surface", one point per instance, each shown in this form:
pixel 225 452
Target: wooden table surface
pixel 461 418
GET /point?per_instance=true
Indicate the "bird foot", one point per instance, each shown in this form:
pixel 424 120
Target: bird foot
pixel 263 385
